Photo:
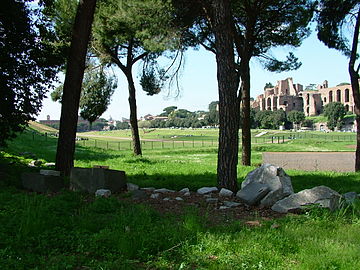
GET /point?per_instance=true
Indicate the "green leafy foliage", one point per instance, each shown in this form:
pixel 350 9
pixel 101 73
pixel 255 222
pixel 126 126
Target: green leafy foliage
pixel 296 117
pixel 27 68
pixel 335 112
pixel 97 89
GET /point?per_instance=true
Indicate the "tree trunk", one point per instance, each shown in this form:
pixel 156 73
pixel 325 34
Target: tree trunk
pixel 229 107
pixel 72 85
pixel 354 77
pixel 245 110
pixel 133 114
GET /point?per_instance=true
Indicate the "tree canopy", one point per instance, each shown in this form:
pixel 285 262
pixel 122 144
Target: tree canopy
pixel 28 67
pixel 335 112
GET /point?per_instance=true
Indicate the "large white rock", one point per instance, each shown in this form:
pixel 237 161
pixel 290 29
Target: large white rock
pixel 206 190
pixel 275 178
pixel 322 196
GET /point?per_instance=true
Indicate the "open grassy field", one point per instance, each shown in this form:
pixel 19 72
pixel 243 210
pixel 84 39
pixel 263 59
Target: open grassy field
pixel 76 231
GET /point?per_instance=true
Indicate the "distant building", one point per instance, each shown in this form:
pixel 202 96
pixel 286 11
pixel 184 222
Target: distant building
pixel 288 96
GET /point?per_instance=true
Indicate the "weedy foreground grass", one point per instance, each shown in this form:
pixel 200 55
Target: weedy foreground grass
pixel 77 231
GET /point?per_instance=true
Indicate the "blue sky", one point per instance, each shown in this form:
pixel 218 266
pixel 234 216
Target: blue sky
pixel 199 85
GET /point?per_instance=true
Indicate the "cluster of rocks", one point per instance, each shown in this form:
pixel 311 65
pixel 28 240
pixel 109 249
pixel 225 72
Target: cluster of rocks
pixel 270 186
pixel 267 186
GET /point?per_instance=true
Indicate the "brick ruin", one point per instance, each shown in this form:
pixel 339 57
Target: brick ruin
pixel 289 96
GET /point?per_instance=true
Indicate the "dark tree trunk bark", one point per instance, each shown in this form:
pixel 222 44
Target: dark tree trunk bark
pixel 72 85
pixel 229 107
pixel 354 77
pixel 133 115
pixel 245 110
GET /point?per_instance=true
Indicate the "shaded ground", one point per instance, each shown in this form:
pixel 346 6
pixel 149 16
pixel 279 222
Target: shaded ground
pixel 251 215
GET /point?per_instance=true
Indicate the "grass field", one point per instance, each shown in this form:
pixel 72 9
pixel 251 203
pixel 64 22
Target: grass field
pixel 75 231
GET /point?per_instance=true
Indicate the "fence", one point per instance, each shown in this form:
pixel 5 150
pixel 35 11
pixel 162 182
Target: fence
pixel 170 144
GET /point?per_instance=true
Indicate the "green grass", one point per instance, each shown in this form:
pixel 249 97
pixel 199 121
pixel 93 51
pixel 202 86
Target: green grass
pixel 76 231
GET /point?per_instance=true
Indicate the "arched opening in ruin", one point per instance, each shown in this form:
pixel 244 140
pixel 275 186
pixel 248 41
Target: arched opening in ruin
pixel 330 96
pixel 338 95
pixel 324 99
pixel 347 95
pixel 268 103
pixel 307 99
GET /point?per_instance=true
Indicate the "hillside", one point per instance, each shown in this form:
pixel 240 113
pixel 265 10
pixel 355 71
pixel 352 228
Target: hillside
pixel 41 128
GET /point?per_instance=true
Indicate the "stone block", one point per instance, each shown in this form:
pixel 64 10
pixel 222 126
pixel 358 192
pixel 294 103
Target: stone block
pixel 253 193
pixel 42 183
pixel 321 196
pixel 92 179
pixel 206 190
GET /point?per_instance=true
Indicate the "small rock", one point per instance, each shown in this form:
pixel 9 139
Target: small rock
pixel 50 164
pixel 231 204
pixel 179 199
pixel 155 195
pixel 148 188
pixel 225 192
pixel 350 197
pixel 184 190
pixel 163 190
pixel 50 172
pixel 253 223
pixel 35 163
pixel 211 200
pixel 206 190
pixel 187 194
pixel 223 207
pixel 166 199
pixel 103 193
pixel 132 187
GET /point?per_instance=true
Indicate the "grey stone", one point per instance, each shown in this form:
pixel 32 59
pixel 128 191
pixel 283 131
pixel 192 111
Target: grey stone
pixel 179 199
pixel 92 179
pixel 163 190
pixel 187 194
pixel 350 197
pixel 253 193
pixel 35 163
pixel 139 194
pixel 225 192
pixel 212 200
pixel 206 190
pixel 103 193
pixel 321 196
pixel 148 188
pixel 50 164
pixel 155 196
pixel 166 199
pixel 223 207
pixel 231 204
pixel 184 190
pixel 275 178
pixel 42 183
pixel 131 187
pixel 50 172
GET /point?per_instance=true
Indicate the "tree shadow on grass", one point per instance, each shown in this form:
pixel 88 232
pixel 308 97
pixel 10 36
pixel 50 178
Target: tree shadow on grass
pixel 341 182
pixel 174 181
pixel 88 154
